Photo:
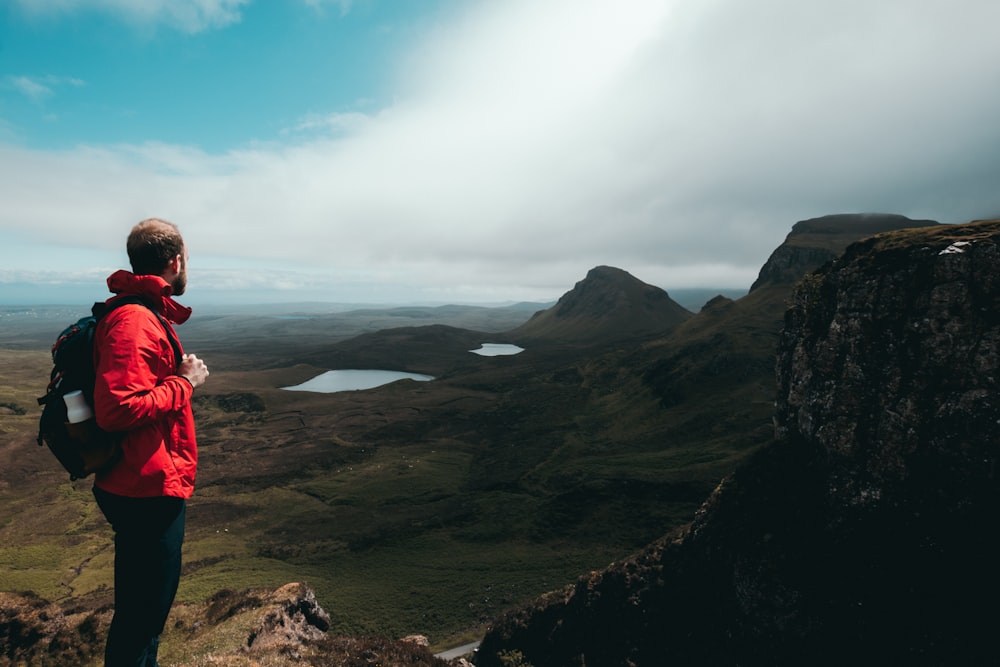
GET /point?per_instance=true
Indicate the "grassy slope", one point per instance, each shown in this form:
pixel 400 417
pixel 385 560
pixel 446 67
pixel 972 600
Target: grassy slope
pixel 416 507
pixel 375 533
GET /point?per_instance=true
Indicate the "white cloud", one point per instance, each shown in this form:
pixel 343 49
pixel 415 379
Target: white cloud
pixel 187 15
pixel 529 142
pixel 30 88
pixel 344 6
pixel 38 89
pixel 335 124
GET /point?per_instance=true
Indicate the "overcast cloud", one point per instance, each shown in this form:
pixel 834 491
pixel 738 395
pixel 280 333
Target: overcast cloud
pixel 530 141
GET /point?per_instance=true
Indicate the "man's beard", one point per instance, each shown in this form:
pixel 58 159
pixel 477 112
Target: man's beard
pixel 179 283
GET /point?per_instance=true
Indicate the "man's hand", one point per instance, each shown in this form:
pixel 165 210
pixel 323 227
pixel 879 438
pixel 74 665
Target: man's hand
pixel 193 370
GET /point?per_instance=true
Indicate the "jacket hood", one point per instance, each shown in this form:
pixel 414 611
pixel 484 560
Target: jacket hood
pixel 154 288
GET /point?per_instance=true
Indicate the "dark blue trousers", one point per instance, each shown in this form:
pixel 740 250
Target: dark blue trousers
pixel 149 533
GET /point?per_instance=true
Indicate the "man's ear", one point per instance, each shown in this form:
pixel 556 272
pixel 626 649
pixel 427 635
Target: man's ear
pixel 173 268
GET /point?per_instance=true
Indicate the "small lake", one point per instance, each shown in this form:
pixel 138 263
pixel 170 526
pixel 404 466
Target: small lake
pixel 353 380
pixel 497 349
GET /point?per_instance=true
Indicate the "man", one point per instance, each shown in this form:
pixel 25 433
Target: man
pixel 144 390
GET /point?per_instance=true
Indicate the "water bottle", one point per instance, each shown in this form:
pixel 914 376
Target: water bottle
pixel 96 449
pixel 77 409
pixel 80 423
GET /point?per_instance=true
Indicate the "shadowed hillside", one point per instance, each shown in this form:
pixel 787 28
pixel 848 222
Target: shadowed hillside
pixel 863 535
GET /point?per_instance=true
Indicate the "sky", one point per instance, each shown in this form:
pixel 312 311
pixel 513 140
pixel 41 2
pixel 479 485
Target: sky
pixel 477 151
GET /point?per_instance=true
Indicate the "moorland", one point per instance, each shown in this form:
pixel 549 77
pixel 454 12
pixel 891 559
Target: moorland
pixel 427 507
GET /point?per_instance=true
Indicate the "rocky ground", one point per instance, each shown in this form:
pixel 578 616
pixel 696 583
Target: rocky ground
pixel 277 628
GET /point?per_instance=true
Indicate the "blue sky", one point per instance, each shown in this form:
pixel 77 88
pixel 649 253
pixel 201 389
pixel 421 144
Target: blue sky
pixel 477 150
pixel 105 75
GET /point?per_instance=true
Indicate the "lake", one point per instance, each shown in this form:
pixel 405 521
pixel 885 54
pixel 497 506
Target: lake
pixel 353 380
pixel 497 349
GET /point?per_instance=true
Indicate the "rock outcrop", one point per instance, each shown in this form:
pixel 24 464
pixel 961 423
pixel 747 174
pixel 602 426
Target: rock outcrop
pixel 279 628
pixel 816 241
pixel 293 620
pixel 889 364
pixel 865 533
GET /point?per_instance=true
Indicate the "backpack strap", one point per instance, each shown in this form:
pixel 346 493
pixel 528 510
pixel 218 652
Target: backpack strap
pixel 102 309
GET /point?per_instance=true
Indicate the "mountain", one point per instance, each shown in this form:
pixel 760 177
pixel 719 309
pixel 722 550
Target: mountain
pixel 608 304
pixel 717 367
pixel 863 534
pixel 813 242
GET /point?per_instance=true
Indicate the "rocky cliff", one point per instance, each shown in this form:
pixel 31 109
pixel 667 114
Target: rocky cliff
pixel 888 363
pixel 813 242
pixel 865 533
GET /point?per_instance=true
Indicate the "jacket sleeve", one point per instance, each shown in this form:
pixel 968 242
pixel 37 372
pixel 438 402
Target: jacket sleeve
pixel 136 381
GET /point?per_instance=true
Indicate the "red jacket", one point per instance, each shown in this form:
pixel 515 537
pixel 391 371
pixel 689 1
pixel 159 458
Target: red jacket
pixel 139 392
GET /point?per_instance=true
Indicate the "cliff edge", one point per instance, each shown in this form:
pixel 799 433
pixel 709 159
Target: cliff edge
pixel 816 241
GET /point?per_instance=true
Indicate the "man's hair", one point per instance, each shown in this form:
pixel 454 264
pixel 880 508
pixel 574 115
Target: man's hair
pixel 152 244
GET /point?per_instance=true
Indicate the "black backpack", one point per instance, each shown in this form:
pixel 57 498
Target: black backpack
pixel 82 448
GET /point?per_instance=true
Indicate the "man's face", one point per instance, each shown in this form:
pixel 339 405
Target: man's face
pixel 179 283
